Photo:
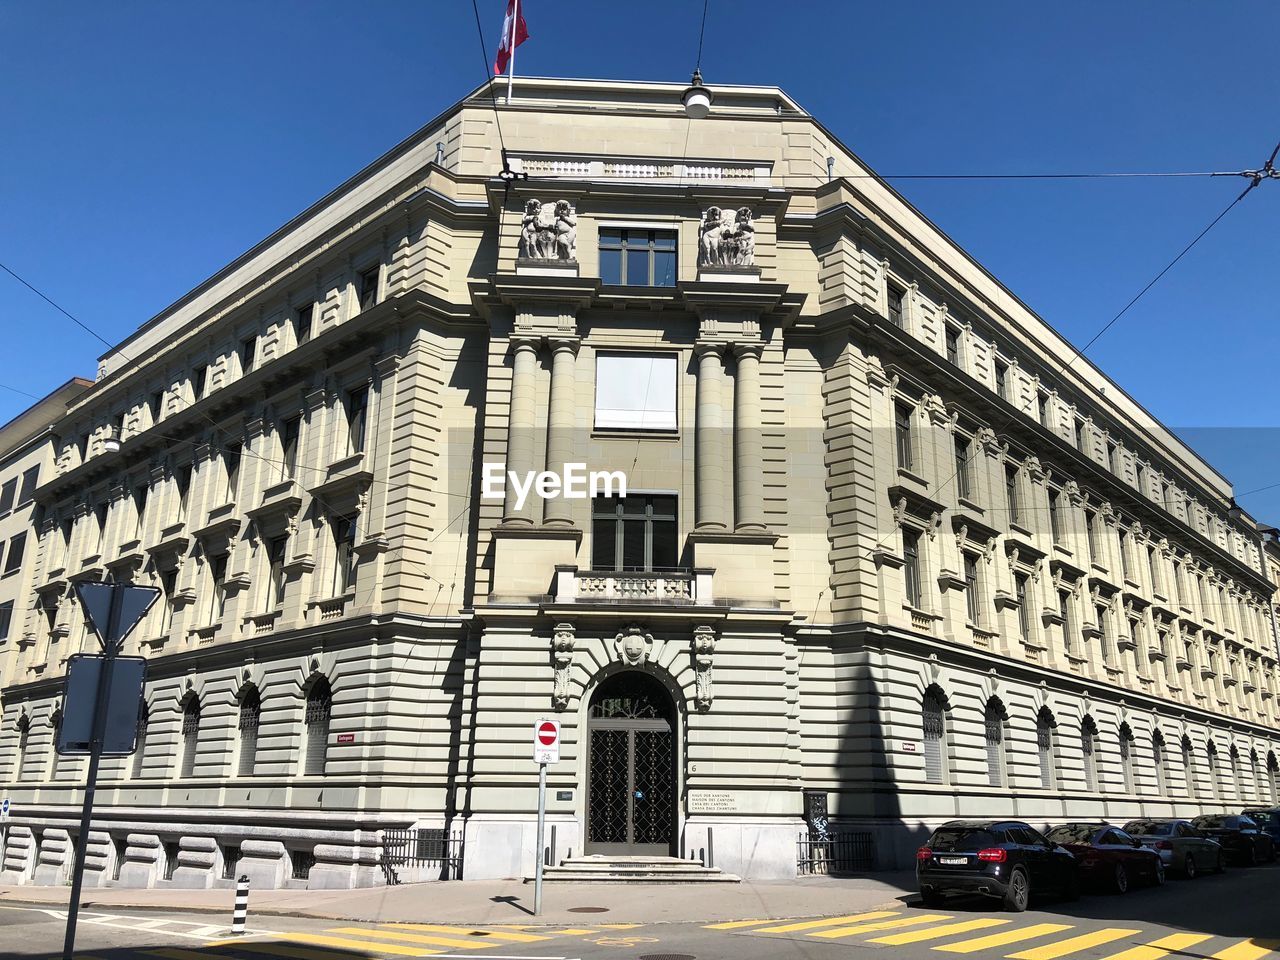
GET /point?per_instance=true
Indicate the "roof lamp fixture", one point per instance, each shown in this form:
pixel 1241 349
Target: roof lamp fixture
pixel 696 98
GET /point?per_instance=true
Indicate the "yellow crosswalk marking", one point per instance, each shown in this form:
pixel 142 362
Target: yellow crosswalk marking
pixel 572 932
pixel 1157 949
pixel 934 933
pixel 736 924
pixel 1008 936
pixel 1064 948
pixel 1248 950
pixel 881 925
pixel 829 922
pixel 479 933
pixel 346 943
pixel 435 941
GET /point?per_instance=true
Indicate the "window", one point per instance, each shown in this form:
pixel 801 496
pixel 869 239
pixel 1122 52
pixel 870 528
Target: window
pixel 1153 567
pixel 6 618
pixel 155 405
pixel 24 742
pixel 230 860
pixel 1113 457
pixel 964 484
pixel 100 518
pixel 367 286
pixel 319 710
pixel 1055 516
pixel 1189 767
pixel 248 353
pixel 171 849
pixel 934 724
pixel 1045 726
pixel 1158 760
pixel 1002 379
pixel 902 434
pixel 1091 528
pixel 1125 565
pixel 289 432
pixel 169 586
pixel 953 345
pixel 218 582
pixel 250 713
pixel 198 377
pixel 1126 758
pixel 231 457
pixel 1042 408
pixel 895 306
pixel 276 548
pixel 182 479
pixel 1104 637
pixel 1215 787
pixel 7 494
pixel 140 493
pixel 357 417
pixel 1142 477
pixel 190 736
pixel 17 546
pixel 972 590
pixel 1179 585
pixel 1024 614
pixel 1080 437
pixel 638 258
pixel 1089 747
pixel 636 391
pixel 636 532
pixel 911 566
pixel 344 554
pixel 994 737
pixel 303 318
pixel 1012 493
pixel 30 478
pixel 300 864
pixel 1068 624
pixel 140 748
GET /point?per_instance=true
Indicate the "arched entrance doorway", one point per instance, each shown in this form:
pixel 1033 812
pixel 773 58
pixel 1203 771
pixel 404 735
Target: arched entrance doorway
pixel 631 768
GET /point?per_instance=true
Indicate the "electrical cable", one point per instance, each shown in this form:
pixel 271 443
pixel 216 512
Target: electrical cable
pixel 493 97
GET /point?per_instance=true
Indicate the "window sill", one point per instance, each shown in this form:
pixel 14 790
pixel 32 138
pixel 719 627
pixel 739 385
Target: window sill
pixel 968 504
pixel 631 433
pixel 907 473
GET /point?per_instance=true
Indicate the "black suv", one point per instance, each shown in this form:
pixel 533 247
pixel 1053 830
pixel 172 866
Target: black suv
pixel 1005 859
pixel 1242 840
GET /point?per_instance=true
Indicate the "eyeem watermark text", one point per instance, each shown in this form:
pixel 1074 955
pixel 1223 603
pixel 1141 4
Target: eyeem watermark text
pixel 575 483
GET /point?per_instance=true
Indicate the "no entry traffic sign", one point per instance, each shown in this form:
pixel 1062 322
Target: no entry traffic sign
pixel 546 741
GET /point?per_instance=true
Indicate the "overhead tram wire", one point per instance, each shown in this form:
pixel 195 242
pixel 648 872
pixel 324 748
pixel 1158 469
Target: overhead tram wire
pixel 493 97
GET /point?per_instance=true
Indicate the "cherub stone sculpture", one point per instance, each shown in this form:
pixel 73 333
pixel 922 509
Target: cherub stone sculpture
pixel 726 242
pixel 548 232
pixel 566 231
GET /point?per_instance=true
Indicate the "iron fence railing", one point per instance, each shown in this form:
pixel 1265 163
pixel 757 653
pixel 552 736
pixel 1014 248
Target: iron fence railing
pixel 835 853
pixel 429 850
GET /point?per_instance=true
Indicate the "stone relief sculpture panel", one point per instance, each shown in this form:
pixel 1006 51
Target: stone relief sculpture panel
pixel 549 232
pixel 727 238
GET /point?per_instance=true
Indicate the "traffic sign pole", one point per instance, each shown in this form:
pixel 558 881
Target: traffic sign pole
pixel 546 749
pixel 110 642
pixel 542 823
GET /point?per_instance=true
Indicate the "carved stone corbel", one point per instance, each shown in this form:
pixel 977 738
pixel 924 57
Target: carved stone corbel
pixel 563 639
pixel 704 647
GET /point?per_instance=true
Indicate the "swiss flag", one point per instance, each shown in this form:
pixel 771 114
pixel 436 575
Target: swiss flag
pixel 514 33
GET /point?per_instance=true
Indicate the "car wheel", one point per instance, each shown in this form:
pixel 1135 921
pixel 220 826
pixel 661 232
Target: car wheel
pixel 1159 877
pixel 1221 865
pixel 931 899
pixel 1189 867
pixel 1120 879
pixel 1018 896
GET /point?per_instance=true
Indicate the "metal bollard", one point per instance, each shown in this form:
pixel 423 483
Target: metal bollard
pixel 241 913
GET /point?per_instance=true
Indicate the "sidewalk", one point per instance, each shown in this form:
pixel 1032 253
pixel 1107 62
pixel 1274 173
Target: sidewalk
pixel 510 901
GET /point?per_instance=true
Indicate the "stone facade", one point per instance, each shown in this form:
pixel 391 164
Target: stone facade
pixel 894 547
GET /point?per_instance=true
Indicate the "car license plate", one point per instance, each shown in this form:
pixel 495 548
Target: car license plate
pixel 953 861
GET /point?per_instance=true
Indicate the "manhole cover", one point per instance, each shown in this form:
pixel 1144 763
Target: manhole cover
pixel 667 956
pixel 477 933
pixel 588 909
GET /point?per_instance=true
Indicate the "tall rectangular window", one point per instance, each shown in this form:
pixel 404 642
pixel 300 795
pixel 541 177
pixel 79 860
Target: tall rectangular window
pixel 1042 409
pixel 367 287
pixel 972 590
pixel 290 430
pixel 911 566
pixel 1104 636
pixel 182 479
pixel 156 406
pixel 636 532
pixel 1153 567
pixel 1068 622
pixel 248 353
pixel 30 479
pixel 1091 529
pixel 6 617
pixel 344 550
pixel 218 581
pixel 953 345
pixel 231 457
pixel 1002 379
pixel 1080 437
pixel 357 417
pixel 303 319
pixel 1055 516
pixel 169 588
pixel 895 306
pixel 140 493
pixel 1024 612
pixel 638 258
pixel 902 434
pixel 7 495
pixel 17 546
pixel 1113 458
pixel 275 571
pixel 199 378
pixel 1012 494
pixel 964 482
pixel 636 391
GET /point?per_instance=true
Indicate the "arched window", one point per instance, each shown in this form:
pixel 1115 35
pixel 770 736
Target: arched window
pixel 1255 776
pixel 1126 759
pixel 190 735
pixel 1215 786
pixel 933 716
pixel 1234 783
pixel 24 740
pixel 1089 747
pixel 1045 726
pixel 319 709
pixel 55 724
pixel 1189 768
pixel 140 748
pixel 1273 777
pixel 250 712
pixel 994 721
pixel 1159 758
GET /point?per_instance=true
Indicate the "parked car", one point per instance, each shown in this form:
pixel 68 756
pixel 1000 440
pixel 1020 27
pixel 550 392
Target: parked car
pixel 1268 820
pixel 1242 839
pixel 1004 859
pixel 1108 856
pixel 1182 847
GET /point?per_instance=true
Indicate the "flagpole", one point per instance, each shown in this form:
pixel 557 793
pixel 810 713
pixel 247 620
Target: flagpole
pixel 511 67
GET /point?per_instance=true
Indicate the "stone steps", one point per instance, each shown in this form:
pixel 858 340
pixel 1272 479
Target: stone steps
pixel 601 869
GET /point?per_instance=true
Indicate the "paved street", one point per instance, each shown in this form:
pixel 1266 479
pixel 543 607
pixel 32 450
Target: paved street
pixel 1233 917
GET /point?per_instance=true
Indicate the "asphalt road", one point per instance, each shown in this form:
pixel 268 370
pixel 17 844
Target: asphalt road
pixel 1231 917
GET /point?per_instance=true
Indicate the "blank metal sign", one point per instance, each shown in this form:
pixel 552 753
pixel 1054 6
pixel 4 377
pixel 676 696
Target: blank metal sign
pixel 81 696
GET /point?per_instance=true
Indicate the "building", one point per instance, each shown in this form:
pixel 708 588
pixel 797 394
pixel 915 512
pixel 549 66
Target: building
pixel 887 552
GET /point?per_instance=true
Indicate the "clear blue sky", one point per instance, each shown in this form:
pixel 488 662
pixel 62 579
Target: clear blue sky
pixel 145 144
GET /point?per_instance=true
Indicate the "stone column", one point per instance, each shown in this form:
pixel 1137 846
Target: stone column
pixel 557 510
pixel 748 498
pixel 709 503
pixel 520 426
